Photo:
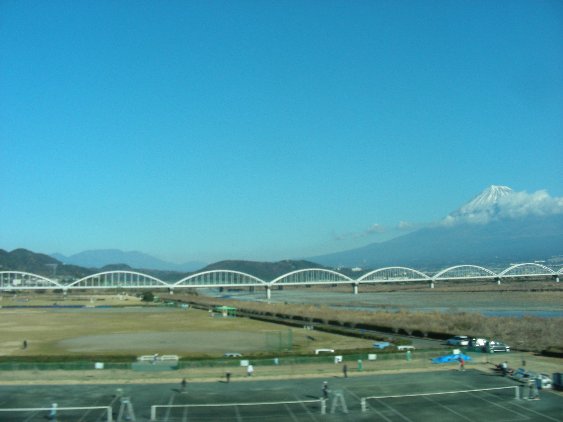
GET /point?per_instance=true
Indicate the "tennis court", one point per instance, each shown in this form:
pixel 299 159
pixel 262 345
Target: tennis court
pixel 289 400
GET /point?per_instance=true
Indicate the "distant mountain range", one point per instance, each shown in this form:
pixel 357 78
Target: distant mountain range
pixel 498 243
pixel 41 264
pixel 102 257
pixel 496 228
pixel 38 263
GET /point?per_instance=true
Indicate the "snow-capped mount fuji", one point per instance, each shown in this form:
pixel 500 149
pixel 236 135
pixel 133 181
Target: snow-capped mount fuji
pixel 482 208
pixel 485 200
pixel 497 227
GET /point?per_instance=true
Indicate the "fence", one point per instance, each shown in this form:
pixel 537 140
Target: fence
pixel 66 366
pixel 226 362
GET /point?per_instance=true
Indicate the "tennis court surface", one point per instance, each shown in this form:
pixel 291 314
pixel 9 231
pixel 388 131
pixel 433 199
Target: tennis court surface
pixel 358 398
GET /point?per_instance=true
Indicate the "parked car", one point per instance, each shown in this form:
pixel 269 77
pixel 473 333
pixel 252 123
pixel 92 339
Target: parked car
pixel 232 355
pixel 478 343
pixel 497 346
pixel 458 341
pixel 407 347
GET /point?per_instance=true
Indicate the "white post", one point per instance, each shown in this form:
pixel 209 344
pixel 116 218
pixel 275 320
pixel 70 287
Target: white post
pixel 323 406
pixel 432 284
pixel 363 404
pixel 355 288
pixel 268 292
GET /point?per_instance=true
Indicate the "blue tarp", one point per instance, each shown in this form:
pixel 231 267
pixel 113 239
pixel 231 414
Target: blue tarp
pixel 451 358
pixel 381 344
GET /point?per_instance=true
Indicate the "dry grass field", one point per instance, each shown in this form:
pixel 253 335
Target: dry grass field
pixel 135 330
pixel 426 311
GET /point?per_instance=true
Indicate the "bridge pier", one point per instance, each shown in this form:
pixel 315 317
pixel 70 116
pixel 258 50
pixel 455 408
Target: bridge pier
pixel 268 292
pixel 355 288
pixel 171 290
pixel 432 284
pixel 498 280
pixel 557 279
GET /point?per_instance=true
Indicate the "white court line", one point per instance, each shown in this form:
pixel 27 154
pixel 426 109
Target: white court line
pixel 508 409
pixel 31 417
pixel 368 407
pixel 527 409
pixel 169 409
pixel 391 408
pixel 99 418
pixel 307 410
pixel 537 413
pixel 351 393
pixel 111 403
pixel 290 413
pixel 461 415
pixel 237 412
pixel 84 415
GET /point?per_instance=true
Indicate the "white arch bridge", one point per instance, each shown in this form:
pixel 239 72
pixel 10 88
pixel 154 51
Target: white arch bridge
pixel 14 281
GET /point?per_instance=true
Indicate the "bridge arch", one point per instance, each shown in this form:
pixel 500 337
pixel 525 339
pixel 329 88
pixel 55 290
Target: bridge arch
pixel 118 279
pixel 464 272
pixel 311 276
pixel 527 269
pixel 20 280
pixel 220 278
pixel 393 274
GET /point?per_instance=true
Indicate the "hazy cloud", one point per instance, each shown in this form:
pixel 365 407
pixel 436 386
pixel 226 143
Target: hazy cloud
pixel 405 225
pixel 375 228
pixel 371 230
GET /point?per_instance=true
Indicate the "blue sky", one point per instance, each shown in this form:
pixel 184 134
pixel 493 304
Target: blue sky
pixel 267 130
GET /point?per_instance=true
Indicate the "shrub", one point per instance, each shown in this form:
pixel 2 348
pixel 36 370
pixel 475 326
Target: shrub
pixel 147 297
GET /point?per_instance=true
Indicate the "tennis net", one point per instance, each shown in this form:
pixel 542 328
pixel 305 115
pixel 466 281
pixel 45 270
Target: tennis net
pixel 494 393
pixel 66 413
pixel 227 411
